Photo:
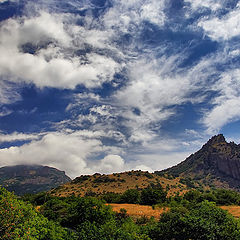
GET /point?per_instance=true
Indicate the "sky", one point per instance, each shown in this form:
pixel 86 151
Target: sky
pixel 113 85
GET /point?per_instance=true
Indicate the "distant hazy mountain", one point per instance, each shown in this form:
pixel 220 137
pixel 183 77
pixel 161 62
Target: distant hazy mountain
pixel 31 179
pixel 217 163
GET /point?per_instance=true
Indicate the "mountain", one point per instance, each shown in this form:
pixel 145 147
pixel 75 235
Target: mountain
pixel 217 164
pixel 31 178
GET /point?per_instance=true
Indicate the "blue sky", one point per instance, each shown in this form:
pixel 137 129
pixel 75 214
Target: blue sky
pixel 112 85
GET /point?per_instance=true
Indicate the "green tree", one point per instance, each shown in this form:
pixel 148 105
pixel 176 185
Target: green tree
pixel 19 220
pixel 131 196
pixel 153 194
pixel 204 221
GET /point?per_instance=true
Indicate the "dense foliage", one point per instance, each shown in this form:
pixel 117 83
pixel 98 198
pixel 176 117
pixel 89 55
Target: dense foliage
pixel 194 216
pixel 90 218
pixel 19 220
pixel 151 195
pixel 204 221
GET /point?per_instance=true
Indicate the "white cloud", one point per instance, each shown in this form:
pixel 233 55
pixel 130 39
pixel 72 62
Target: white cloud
pixel 43 28
pixel 2 1
pixel 110 164
pixel 223 28
pixel 64 151
pixel 103 110
pixel 156 161
pixel 226 106
pixel 154 88
pixel 211 4
pixel 222 114
pixel 15 136
pixel 53 66
pixel 8 93
pixel 73 152
pixel 124 15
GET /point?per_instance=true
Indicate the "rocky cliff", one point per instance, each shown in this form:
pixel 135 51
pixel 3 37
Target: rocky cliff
pixel 217 160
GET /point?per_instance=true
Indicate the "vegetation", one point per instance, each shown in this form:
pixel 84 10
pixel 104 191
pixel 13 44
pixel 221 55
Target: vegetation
pixel 194 215
pixel 204 221
pixel 19 220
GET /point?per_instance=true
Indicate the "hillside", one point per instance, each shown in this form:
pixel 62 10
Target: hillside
pixel 31 179
pixel 216 164
pixel 117 183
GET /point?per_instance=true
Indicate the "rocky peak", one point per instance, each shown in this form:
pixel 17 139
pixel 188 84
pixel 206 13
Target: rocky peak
pixel 217 158
pixel 216 140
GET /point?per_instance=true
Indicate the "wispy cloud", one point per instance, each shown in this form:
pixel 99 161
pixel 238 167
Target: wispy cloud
pixel 15 136
pixel 209 4
pixel 226 106
pixel 222 28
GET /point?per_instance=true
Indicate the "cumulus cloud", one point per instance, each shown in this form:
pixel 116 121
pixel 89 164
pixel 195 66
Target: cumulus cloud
pixel 73 152
pixel 76 153
pixel 54 149
pixel 223 28
pixel 52 65
pixel 110 164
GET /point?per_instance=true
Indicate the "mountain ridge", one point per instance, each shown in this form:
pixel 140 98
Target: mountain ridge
pixel 24 179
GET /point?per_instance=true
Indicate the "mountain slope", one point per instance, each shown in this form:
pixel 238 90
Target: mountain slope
pixel 217 163
pixel 31 178
pixel 117 183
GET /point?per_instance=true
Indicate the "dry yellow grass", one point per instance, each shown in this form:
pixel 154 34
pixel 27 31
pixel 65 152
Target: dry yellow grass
pixel 234 210
pixel 137 211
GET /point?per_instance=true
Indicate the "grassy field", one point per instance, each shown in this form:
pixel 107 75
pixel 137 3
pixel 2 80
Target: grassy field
pixel 137 211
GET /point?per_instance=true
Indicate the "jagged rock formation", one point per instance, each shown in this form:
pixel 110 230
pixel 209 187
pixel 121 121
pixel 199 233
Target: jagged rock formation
pixel 217 160
pixel 31 179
